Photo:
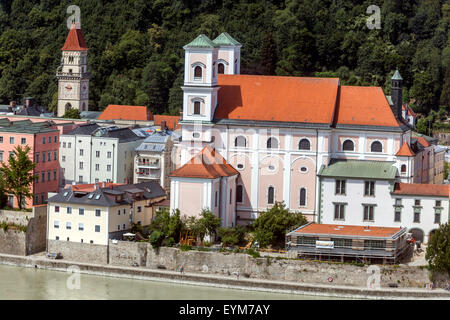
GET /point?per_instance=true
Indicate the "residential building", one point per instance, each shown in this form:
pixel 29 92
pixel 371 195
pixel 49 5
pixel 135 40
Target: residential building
pixel 95 213
pixel 365 193
pixel 73 75
pixel 91 154
pixel 153 159
pixel 344 243
pixel 43 140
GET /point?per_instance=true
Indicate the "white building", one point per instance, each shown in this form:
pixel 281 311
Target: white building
pixel 153 160
pixel 364 193
pixel 91 154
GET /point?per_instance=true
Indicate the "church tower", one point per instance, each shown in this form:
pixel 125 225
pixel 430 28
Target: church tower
pixel 73 76
pixel 229 56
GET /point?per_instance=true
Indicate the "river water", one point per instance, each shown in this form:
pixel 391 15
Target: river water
pixel 37 284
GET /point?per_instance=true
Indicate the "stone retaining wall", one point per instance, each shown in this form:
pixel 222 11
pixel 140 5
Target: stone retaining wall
pixel 17 242
pixel 80 252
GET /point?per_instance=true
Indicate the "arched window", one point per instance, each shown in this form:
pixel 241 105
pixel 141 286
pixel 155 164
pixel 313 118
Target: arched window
pixel 221 68
pixel 348 145
pixel 272 143
pixel 197 107
pixel 198 72
pixel 239 192
pixel 240 142
pixel 403 168
pixel 376 146
pixel 304 144
pixel 302 197
pixel 271 195
pixel 68 106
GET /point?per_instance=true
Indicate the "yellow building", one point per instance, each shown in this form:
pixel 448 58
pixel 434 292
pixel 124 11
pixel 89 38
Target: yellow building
pixel 95 213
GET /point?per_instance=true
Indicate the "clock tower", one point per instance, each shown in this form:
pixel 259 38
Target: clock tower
pixel 73 76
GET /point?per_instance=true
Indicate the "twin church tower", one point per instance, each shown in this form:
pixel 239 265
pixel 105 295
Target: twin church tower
pixel 204 60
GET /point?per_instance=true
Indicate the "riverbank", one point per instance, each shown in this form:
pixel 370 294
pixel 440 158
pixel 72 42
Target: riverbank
pixel 230 282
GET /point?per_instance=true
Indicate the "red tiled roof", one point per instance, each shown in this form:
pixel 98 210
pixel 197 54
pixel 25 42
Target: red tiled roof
pixel 364 106
pixel 75 40
pixel 337 229
pixel 172 122
pixel 207 164
pixel 418 189
pixel 407 108
pixel 89 187
pixel 118 112
pixel 275 98
pixel 423 141
pixel 405 151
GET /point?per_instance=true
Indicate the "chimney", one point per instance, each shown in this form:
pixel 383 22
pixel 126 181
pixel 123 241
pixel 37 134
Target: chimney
pixel 396 94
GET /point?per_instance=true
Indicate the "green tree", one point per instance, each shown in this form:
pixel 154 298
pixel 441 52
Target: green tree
pixel 232 236
pixel 18 174
pixel 169 225
pixel 72 114
pixel 438 250
pixel 271 225
pixel 269 55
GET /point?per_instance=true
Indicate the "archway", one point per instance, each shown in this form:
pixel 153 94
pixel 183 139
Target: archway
pixel 68 106
pixel 417 234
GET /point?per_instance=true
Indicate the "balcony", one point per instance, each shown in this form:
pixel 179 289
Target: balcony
pixel 84 75
pixel 151 164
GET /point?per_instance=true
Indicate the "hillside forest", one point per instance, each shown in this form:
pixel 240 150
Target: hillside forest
pixel 136 51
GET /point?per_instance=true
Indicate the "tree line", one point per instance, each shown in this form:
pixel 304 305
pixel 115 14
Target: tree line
pixel 136 53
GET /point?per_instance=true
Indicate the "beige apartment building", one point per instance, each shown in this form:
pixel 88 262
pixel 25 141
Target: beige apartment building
pixel 95 213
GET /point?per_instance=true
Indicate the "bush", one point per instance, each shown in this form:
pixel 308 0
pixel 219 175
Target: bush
pixel 232 236
pixel 169 242
pixel 255 254
pixel 270 226
pixel 156 238
pixel 185 247
pixel 4 226
pixel 168 225
pixel 438 250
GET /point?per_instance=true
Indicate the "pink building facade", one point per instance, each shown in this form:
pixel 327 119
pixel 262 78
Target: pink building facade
pixel 278 132
pixel 43 140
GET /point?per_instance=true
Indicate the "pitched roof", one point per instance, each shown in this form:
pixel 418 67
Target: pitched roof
pixel 224 39
pixel 346 230
pixel 119 112
pixel 423 142
pixel 172 122
pixel 364 169
pixel 75 40
pixel 84 129
pixel 364 106
pixel 405 151
pixel 202 41
pixel 418 189
pixel 207 164
pixel 396 76
pixel 275 98
pixel 123 134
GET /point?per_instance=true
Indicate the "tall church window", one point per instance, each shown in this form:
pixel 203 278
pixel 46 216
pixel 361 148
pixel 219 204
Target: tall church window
pixel 197 107
pixel 270 195
pixel 221 68
pixel 198 72
pixel 272 143
pixel 348 145
pixel 376 146
pixel 302 197
pixel 304 144
pixel 239 192
pixel 68 106
pixel 403 168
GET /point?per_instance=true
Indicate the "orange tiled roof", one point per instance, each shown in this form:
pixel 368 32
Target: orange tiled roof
pixel 75 40
pixel 405 151
pixel 364 106
pixel 118 112
pixel 423 141
pixel 336 229
pixel 89 187
pixel 172 122
pixel 275 98
pixel 207 164
pixel 418 189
